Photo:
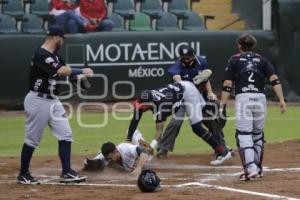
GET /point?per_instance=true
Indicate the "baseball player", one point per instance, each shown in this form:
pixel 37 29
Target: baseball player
pixel 247 71
pixel 186 68
pixel 131 157
pixel 43 108
pixel 165 101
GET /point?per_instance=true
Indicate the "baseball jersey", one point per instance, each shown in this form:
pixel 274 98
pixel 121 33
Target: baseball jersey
pixel 43 69
pixel 188 73
pixel 166 100
pixel 248 70
pixel 129 155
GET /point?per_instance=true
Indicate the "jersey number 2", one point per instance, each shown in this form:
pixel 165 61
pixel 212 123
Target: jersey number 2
pixel 250 78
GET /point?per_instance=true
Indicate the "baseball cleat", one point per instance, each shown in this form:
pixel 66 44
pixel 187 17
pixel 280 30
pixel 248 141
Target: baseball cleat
pixel 221 158
pixel 250 176
pixel 72 177
pixel 27 179
pixel 162 154
pixel 202 76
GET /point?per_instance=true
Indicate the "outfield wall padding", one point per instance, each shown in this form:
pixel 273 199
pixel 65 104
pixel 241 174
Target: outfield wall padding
pixel 123 60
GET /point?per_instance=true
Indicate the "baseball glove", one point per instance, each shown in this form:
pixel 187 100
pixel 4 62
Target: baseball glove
pixel 84 83
pixel 145 145
pixel 93 165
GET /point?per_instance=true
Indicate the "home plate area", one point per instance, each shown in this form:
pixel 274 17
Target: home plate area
pixel 183 177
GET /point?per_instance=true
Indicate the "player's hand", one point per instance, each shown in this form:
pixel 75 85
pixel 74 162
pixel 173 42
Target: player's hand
pixel 212 96
pixel 88 72
pixel 136 172
pixel 282 106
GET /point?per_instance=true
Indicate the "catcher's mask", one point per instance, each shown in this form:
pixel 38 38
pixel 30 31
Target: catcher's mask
pixel 187 56
pixel 148 181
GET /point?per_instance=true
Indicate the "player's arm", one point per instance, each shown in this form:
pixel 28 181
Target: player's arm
pixel 210 94
pixel 159 127
pixel 226 91
pixel 176 78
pixel 275 82
pixel 143 157
pixel 137 115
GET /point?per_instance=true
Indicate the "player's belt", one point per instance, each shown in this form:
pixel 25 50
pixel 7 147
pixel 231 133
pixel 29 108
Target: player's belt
pixel 46 96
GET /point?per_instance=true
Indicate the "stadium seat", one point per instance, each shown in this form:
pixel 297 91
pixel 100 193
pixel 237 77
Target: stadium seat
pixel 193 22
pixel 141 22
pixel 153 8
pixel 178 7
pixel 118 22
pixel 13 8
pixel 7 25
pixel 124 7
pixel 167 22
pixel 32 24
pixel 40 8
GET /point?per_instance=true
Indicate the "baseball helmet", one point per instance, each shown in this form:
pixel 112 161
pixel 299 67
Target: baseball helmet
pixel 148 181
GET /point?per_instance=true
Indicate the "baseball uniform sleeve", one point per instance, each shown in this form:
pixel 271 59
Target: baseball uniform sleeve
pixel 268 68
pixel 202 63
pixel 47 63
pixel 229 70
pixel 175 69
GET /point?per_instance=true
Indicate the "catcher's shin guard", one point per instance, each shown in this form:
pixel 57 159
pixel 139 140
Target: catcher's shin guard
pixel 245 153
pixel 258 139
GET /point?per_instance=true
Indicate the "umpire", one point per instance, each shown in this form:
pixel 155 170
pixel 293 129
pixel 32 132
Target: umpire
pixel 187 67
pixel 43 107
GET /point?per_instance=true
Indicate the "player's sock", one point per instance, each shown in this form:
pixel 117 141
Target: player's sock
pixel 206 136
pixel 26 155
pixel 64 151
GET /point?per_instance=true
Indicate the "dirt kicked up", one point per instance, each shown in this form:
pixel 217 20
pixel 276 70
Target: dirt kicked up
pixel 183 177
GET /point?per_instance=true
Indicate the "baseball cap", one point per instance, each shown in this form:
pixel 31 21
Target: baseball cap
pixel 186 51
pixel 55 30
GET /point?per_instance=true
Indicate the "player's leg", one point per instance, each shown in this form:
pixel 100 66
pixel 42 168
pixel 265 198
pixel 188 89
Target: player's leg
pixel 36 119
pixel 167 141
pixel 244 126
pixel 194 103
pixel 62 131
pixel 258 136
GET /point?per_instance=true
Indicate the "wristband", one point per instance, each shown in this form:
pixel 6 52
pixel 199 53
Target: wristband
pixel 275 82
pixel 76 71
pixel 226 89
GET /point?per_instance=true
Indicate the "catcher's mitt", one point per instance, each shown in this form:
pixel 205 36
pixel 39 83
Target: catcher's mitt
pixel 145 145
pixel 93 165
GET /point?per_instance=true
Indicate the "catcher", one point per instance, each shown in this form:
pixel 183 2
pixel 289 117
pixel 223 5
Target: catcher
pixel 130 157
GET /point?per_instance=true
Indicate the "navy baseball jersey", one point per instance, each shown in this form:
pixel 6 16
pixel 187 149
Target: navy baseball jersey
pixel 166 100
pixel 43 71
pixel 248 70
pixel 188 73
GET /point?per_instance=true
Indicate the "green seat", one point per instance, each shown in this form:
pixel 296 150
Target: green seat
pixel 32 24
pixel 141 22
pixel 193 22
pixel 40 8
pixel 13 8
pixel 153 8
pixel 124 7
pixel 118 21
pixel 167 22
pixel 7 25
pixel 178 8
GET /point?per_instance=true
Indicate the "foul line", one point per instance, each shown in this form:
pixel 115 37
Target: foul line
pixel 185 185
pixel 273 196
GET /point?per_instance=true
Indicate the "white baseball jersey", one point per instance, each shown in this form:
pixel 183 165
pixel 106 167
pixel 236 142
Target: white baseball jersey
pixel 129 155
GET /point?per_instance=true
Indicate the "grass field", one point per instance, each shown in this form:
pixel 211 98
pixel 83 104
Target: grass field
pixel 88 140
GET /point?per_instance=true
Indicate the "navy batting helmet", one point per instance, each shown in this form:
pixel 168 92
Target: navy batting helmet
pixel 148 181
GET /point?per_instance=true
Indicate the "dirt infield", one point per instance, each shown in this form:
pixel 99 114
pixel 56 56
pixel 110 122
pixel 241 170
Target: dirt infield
pixel 183 177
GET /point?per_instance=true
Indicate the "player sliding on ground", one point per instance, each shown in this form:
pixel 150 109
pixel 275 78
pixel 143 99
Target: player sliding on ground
pixel 131 157
pixel 164 101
